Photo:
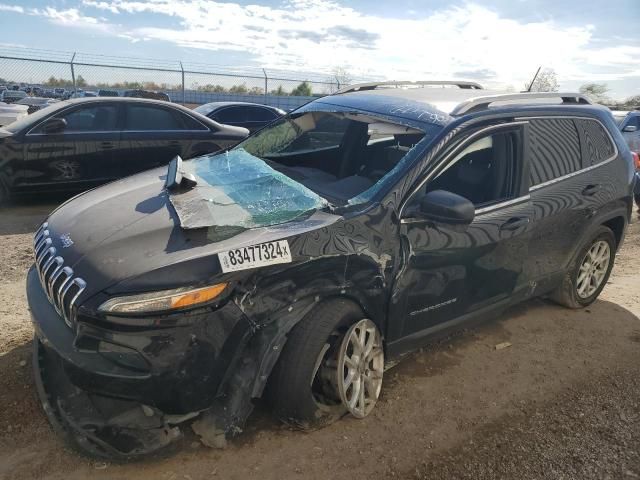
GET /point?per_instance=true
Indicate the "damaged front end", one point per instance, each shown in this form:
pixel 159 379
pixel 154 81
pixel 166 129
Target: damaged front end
pixel 121 393
pixel 96 425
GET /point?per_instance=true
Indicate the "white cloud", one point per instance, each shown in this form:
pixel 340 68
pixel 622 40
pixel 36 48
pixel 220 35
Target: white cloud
pixel 467 41
pixel 101 5
pixel 72 17
pixel 11 8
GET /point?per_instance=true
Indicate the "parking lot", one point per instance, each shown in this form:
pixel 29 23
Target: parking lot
pixel 560 400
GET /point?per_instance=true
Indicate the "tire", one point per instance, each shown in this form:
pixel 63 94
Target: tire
pixel 303 389
pixel 567 294
pixel 636 197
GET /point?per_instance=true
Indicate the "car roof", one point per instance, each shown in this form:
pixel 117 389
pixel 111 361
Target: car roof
pixel 442 105
pixel 215 105
pixel 55 107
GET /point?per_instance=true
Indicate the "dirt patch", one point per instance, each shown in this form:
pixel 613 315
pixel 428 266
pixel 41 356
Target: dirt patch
pixel 459 409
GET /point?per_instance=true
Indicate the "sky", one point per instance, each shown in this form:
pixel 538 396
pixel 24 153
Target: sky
pixel 498 43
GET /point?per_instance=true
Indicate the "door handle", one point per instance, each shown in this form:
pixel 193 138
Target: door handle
pixel 591 190
pixel 515 223
pixel 106 145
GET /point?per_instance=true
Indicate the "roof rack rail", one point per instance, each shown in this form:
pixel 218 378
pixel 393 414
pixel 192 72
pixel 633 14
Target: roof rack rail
pixel 482 103
pixel 359 87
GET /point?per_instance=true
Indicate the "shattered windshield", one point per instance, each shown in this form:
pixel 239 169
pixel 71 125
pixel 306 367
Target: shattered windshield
pixel 337 154
pixel 296 165
pixel 236 189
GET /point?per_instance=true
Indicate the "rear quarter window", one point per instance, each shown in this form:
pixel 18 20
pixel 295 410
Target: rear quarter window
pixel 146 118
pixel 191 123
pixel 554 149
pixel 596 142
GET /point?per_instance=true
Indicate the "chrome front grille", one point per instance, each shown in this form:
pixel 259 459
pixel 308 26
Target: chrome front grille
pixel 57 280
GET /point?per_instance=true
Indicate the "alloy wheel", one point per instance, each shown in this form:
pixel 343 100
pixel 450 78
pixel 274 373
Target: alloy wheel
pixel 360 368
pixel 593 269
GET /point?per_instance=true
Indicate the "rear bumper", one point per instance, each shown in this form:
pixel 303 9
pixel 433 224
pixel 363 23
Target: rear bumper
pixel 176 370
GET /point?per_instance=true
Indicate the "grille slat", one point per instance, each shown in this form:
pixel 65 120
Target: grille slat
pixel 57 280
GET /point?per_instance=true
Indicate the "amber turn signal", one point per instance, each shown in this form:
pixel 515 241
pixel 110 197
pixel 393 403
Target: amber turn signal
pixel 162 301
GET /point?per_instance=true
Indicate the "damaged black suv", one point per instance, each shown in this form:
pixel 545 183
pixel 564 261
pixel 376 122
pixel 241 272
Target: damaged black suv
pixel 298 264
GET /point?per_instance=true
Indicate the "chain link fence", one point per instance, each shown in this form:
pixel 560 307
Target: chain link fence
pixel 55 73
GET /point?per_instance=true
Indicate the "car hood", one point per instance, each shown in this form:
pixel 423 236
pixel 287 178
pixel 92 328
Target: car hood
pixel 5 133
pixel 126 236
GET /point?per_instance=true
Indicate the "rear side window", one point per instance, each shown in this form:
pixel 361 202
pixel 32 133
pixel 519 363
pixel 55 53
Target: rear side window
pixel 597 146
pixel 231 115
pixel 143 117
pixel 554 149
pixel 191 123
pixel 257 114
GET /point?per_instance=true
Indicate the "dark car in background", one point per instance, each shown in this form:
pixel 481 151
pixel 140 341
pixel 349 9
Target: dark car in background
pixel 252 116
pixel 36 103
pixel 139 93
pixel 629 124
pixel 108 93
pixel 299 263
pixel 82 94
pixel 78 144
pixel 33 90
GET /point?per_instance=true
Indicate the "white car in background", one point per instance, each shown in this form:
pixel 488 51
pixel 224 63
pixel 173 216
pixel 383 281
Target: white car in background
pixel 10 96
pixel 11 113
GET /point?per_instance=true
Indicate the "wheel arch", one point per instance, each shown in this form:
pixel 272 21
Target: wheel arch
pixel 271 339
pixel 615 218
pixel 617 225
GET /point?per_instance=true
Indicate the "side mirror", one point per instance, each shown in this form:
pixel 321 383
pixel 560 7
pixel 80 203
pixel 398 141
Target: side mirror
pixel 630 128
pixel 54 125
pixel 447 208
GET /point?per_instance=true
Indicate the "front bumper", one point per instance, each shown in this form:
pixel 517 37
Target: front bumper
pixel 114 393
pixel 176 370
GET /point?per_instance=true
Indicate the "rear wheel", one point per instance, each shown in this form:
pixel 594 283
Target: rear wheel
pixel 332 364
pixel 589 272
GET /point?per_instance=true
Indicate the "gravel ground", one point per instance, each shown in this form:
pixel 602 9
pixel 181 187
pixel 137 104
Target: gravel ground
pixel 562 402
pixel 590 431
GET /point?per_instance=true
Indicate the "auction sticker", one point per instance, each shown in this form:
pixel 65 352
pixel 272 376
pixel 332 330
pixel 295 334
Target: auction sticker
pixel 269 253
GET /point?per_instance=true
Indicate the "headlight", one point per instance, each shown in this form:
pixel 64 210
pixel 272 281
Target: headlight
pixel 163 300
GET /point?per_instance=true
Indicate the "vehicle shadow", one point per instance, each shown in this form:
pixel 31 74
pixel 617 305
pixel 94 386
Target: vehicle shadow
pixel 445 351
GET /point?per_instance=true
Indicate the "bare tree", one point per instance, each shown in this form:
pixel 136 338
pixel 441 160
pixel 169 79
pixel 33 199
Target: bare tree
pixel 597 91
pixel 546 81
pixel 342 76
pixel 632 102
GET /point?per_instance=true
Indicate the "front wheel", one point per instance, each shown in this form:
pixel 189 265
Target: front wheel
pixel 332 364
pixel 589 271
